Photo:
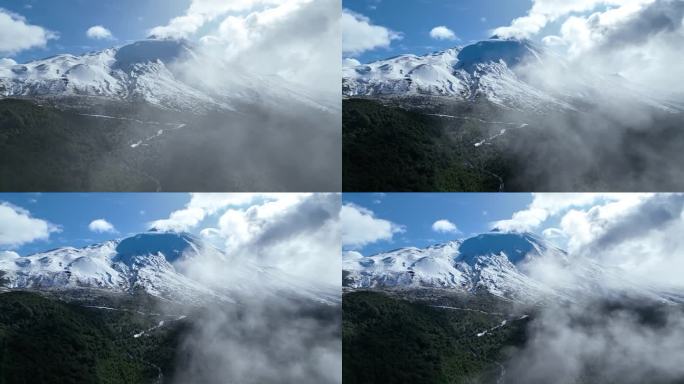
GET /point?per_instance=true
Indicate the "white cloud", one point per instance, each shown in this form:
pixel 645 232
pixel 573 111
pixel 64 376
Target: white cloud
pixel 350 62
pixel 545 205
pixel 442 33
pixel 202 12
pixel 101 226
pixel 544 12
pixel 302 36
pixel 639 234
pixel 359 35
pixel 18 35
pixel 295 232
pixel 444 226
pixel 6 62
pixel 202 205
pixel 17 227
pixel 99 32
pixel 360 226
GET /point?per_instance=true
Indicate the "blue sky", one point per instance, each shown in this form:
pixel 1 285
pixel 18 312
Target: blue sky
pixel 73 212
pixel 472 213
pixel 297 232
pixel 128 20
pixel 470 20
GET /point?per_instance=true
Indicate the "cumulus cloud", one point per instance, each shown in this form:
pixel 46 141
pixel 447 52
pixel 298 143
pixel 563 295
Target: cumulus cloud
pixel 297 233
pixel 628 26
pixel 637 235
pixel 544 12
pixel 18 35
pixel 545 205
pixel 99 32
pixel 200 206
pixel 18 227
pixel 444 226
pixel 360 35
pixel 360 227
pixel 201 12
pixel 442 33
pixel 101 226
pixel 302 36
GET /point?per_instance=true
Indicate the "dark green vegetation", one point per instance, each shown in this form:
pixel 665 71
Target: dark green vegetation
pixel 46 147
pixel 388 148
pixel 407 336
pixel 390 338
pixel 46 340
pixel 402 145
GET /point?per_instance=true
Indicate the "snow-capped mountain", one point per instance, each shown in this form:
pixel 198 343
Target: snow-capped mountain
pixel 153 71
pixel 155 262
pixel 482 70
pixel 501 71
pixel 500 263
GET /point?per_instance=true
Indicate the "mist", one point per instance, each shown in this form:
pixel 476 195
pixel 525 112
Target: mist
pixel 598 341
pixel 264 326
pixel 620 317
pixel 262 341
pixel 274 311
pixel 624 131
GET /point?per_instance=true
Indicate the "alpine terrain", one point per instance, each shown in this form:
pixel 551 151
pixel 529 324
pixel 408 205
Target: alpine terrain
pixel 491 116
pixel 145 117
pixel 469 311
pixel 130 310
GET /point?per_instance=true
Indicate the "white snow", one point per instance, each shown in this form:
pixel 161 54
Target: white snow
pixel 156 263
pixel 153 71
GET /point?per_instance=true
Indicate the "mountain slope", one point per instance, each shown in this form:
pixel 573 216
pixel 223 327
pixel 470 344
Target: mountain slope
pixel 506 72
pixel 161 72
pixel 482 70
pixel 157 263
pixel 47 340
pixel 141 71
pixel 502 264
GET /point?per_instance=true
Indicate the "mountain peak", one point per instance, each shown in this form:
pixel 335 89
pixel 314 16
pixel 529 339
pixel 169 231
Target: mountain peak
pixel 172 245
pixel 152 50
pixel 516 246
pixel 510 51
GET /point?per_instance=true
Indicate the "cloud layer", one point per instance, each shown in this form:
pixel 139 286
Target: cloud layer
pixel 297 233
pixel 301 36
pixel 638 234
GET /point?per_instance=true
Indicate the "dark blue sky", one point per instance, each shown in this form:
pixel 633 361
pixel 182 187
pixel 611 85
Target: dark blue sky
pixel 471 20
pixel 128 20
pixel 472 213
pixel 128 212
